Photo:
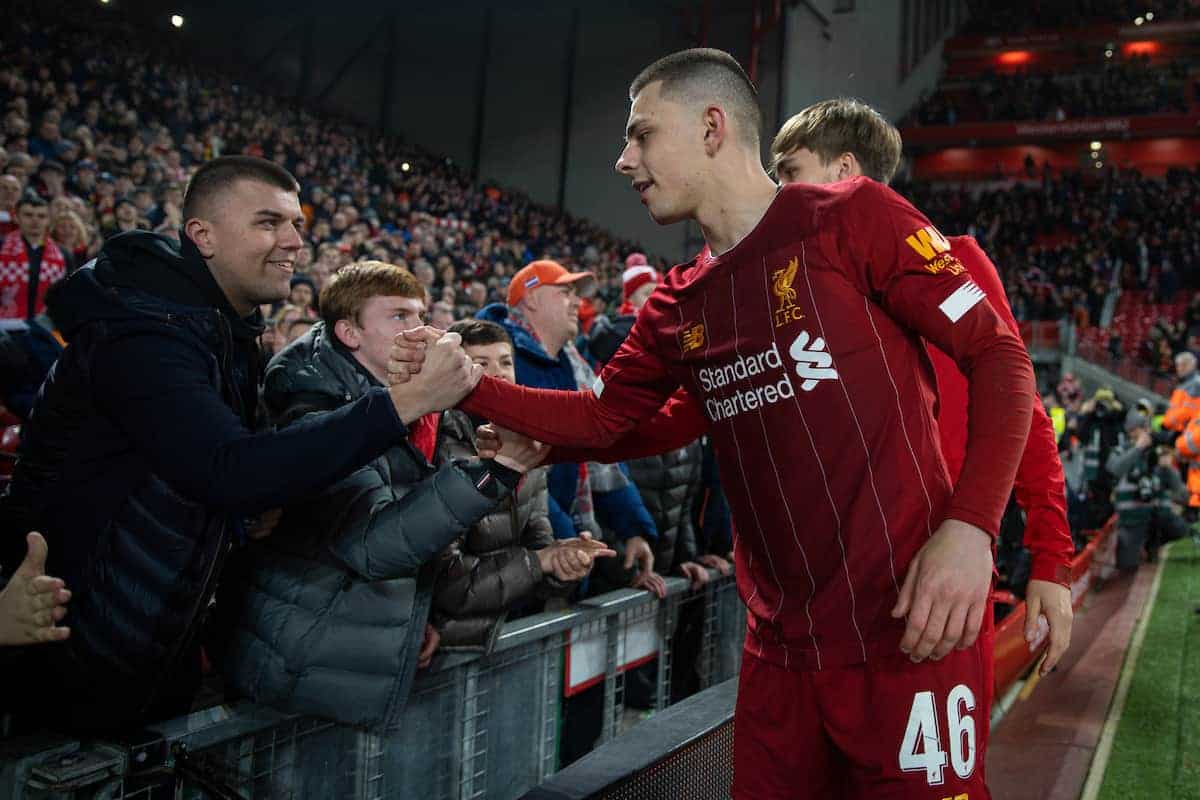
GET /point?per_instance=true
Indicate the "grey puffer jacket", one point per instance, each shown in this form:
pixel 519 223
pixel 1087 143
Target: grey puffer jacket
pixel 668 484
pixel 339 593
pixel 492 569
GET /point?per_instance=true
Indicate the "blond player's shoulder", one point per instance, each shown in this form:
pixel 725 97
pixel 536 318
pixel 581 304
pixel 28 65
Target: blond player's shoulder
pixel 839 197
pixel 963 244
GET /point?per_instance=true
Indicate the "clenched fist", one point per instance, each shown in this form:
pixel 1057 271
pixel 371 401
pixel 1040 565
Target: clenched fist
pixel 446 376
pixel 408 352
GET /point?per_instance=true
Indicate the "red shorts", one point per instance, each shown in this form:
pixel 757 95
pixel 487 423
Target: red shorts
pixel 892 729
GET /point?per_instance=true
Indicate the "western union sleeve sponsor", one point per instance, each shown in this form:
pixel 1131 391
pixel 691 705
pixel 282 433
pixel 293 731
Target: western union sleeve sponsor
pixel 928 242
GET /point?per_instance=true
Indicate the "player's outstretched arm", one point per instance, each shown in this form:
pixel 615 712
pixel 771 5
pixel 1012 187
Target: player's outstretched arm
pixel 677 424
pixel 632 388
pixel 552 416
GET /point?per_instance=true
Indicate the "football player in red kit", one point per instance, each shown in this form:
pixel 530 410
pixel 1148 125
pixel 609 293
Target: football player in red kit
pixel 864 569
pixel 837 139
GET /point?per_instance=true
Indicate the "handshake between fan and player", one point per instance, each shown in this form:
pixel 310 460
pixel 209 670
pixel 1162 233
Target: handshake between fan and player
pixel 429 371
pixel 945 591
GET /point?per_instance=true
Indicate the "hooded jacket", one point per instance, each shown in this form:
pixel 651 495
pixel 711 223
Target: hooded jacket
pixel 141 461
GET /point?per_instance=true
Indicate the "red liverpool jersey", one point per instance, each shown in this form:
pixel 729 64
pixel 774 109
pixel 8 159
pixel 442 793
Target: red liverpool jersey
pixel 803 347
pixel 1040 487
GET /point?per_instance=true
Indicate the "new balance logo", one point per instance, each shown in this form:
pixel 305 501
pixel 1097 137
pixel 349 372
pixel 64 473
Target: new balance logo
pixel 928 242
pixel 813 361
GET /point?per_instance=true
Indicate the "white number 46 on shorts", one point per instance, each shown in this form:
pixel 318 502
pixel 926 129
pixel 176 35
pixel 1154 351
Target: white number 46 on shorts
pixel 921 750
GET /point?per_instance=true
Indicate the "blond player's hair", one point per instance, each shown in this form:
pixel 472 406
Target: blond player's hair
pixel 842 125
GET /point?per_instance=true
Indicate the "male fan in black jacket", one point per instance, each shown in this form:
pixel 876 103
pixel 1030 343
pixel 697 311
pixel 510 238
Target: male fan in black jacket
pixel 141 463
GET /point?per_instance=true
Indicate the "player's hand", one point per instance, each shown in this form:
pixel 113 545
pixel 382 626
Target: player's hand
pixel 1051 602
pixel 516 451
pixel 945 592
pixel 33 603
pixel 408 352
pixel 429 646
pixel 696 574
pixel 716 562
pixel 445 378
pixel 487 441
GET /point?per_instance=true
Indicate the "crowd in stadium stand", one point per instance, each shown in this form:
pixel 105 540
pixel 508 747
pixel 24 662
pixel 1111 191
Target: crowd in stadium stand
pixel 1062 241
pixel 1007 18
pixel 1168 337
pixel 1123 85
pixel 109 142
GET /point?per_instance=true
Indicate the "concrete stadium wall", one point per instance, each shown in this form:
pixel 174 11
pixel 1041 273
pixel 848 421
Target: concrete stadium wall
pixel 858 54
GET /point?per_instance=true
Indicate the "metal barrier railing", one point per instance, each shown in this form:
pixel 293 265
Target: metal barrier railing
pixel 474 727
pixel 685 752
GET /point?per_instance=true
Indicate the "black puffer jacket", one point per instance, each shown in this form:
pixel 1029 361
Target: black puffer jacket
pixel 340 592
pixel 140 461
pixel 492 569
pixel 669 484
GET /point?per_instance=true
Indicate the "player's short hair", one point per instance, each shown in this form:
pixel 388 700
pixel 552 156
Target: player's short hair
pixel 842 125
pixel 480 332
pixel 348 289
pixel 219 175
pixel 706 75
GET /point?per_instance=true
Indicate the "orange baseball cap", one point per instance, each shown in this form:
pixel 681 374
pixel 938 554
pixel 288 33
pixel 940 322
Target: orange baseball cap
pixel 547 273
